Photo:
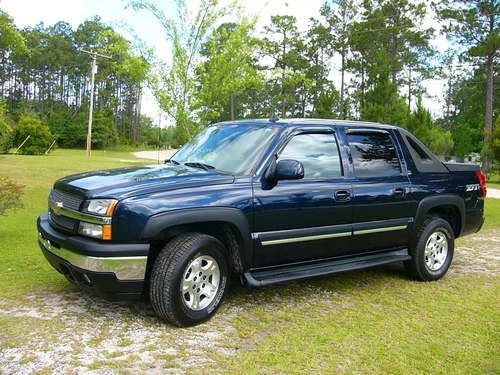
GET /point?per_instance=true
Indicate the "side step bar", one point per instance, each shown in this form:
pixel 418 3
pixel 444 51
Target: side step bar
pixel 262 277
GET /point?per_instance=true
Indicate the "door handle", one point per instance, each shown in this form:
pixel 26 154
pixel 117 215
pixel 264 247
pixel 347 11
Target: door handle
pixel 342 195
pixel 399 192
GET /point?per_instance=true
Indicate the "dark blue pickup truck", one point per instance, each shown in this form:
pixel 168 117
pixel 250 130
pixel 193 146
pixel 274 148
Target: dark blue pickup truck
pixel 270 200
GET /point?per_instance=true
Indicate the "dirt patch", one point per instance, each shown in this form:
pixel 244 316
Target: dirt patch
pixel 76 332
pixel 81 333
pixel 477 254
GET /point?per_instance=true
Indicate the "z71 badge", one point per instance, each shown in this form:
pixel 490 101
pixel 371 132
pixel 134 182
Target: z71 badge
pixel 472 187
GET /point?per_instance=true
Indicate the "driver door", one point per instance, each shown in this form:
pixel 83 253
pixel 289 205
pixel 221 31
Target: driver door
pixel 306 219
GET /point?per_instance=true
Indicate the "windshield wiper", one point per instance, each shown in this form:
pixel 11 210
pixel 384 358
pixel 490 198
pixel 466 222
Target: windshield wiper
pixel 196 164
pixel 172 161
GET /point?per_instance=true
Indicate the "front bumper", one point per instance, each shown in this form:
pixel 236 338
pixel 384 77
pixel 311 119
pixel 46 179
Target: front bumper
pixel 110 268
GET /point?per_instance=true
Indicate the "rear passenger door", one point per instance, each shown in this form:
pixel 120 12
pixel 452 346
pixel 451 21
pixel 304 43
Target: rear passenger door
pixel 381 209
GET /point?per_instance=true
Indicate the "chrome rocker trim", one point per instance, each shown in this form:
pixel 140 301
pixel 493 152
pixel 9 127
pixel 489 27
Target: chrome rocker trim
pixel 124 268
pixel 377 230
pixel 333 235
pixel 305 238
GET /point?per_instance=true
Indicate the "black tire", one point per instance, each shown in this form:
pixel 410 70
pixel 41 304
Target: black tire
pixel 168 272
pixel 417 266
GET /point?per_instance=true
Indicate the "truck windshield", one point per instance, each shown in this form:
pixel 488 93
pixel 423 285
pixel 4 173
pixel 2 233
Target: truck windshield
pixel 230 148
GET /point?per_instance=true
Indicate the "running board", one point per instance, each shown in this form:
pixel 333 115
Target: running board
pixel 261 277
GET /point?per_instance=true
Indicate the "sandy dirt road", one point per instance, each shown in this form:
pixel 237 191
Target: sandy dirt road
pixel 155 155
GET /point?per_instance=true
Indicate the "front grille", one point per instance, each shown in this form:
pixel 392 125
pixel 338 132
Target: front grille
pixel 68 200
pixel 62 221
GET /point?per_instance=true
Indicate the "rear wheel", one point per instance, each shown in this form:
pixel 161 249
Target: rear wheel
pixel 189 279
pixel 433 251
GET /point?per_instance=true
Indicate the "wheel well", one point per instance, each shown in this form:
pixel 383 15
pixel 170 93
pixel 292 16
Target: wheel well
pixel 225 232
pixel 449 213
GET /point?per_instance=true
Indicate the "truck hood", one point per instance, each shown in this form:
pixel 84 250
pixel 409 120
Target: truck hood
pixel 131 181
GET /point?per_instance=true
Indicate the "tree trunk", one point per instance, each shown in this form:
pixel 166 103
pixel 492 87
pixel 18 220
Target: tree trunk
pixel 232 106
pixel 283 107
pixel 362 87
pixel 409 91
pixel 489 112
pixel 342 83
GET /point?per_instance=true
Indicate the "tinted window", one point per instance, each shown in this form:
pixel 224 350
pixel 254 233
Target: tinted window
pixel 317 152
pixel 417 151
pixel 373 155
pixel 424 160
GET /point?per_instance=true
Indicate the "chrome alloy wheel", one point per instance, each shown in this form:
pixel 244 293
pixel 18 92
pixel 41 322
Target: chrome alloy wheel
pixel 436 251
pixel 200 282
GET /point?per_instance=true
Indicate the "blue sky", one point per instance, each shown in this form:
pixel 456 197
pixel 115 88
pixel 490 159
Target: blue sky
pixel 114 12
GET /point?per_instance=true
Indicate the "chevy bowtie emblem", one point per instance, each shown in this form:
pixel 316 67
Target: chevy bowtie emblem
pixel 59 204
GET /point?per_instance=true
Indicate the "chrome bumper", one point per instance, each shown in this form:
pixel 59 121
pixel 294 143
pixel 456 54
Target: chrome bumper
pixel 125 268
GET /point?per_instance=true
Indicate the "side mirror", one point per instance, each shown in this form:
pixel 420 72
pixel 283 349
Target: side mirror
pixel 289 170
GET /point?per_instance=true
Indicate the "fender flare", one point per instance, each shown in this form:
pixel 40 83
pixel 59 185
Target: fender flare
pixel 159 222
pixel 429 203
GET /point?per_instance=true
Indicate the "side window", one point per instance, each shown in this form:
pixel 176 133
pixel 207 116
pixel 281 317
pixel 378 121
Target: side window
pixel 317 152
pixel 417 152
pixel 373 155
pixel 425 162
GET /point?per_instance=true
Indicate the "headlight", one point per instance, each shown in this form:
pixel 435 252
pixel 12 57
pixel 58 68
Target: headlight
pixel 102 207
pixel 102 232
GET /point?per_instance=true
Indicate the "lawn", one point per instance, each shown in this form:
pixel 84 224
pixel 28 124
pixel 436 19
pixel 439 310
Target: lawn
pixel 493 180
pixel 371 321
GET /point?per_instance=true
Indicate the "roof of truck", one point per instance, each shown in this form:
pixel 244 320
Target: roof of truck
pixel 310 122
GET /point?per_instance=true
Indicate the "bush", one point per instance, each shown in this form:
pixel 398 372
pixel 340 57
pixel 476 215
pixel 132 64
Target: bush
pixel 10 195
pixel 5 130
pixel 495 141
pixel 40 135
pixel 5 137
pixel 440 141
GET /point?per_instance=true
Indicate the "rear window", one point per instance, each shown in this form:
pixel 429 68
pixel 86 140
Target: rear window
pixel 373 155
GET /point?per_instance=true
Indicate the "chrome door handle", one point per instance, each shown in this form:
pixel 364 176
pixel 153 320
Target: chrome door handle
pixel 399 192
pixel 342 195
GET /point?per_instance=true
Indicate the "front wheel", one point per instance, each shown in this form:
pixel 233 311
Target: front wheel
pixel 189 279
pixel 433 252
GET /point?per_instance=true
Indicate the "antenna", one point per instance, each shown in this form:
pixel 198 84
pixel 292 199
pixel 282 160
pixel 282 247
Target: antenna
pixel 93 72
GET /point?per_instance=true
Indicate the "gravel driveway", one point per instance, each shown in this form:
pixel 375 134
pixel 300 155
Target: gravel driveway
pixel 494 193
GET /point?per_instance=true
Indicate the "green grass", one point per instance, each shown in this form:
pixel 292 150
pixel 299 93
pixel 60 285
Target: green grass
pixel 381 324
pixel 493 180
pixel 371 321
pixel 492 213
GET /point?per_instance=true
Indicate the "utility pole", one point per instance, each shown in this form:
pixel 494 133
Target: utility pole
pixel 159 134
pixel 93 72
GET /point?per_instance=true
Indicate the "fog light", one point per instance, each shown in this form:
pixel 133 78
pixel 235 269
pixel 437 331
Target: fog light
pixel 102 232
pixel 90 230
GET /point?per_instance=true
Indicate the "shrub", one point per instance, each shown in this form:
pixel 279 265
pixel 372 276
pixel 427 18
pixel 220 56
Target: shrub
pixel 5 130
pixel 496 140
pixel 40 136
pixel 10 195
pixel 5 136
